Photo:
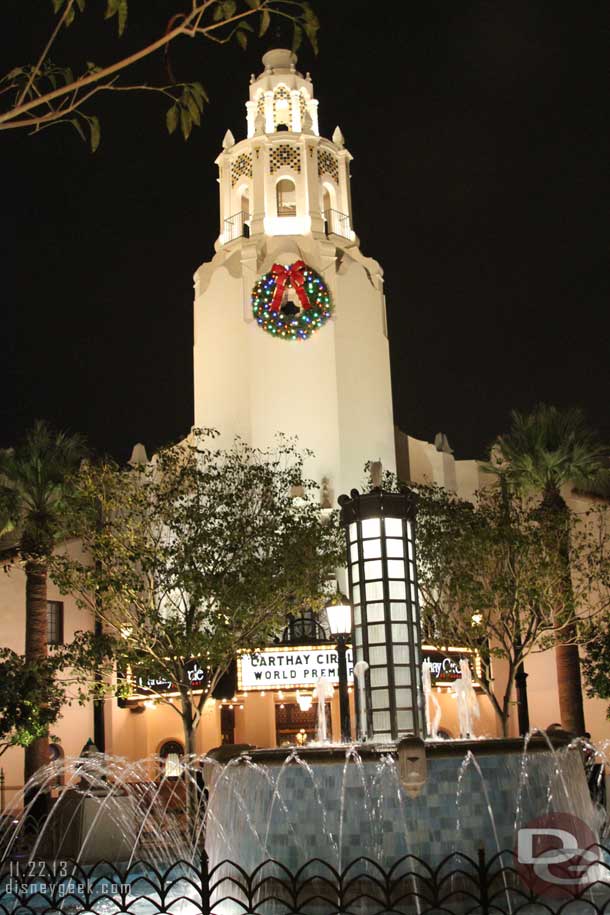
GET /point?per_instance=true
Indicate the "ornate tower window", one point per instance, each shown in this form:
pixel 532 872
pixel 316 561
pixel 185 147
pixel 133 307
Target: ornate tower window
pixel 241 168
pixel 284 154
pixel 286 195
pixel 328 165
pixel 282 114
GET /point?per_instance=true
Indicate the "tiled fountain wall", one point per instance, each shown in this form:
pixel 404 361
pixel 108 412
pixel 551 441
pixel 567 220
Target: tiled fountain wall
pixel 340 810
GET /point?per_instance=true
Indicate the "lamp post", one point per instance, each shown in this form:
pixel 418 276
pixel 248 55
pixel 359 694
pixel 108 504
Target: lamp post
pixel 380 535
pixel 339 612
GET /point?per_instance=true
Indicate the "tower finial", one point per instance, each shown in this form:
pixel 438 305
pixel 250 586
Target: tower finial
pixel 228 140
pixel 338 138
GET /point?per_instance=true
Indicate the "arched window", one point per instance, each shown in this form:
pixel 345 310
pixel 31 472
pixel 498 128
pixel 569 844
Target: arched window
pixel 329 210
pixel 170 754
pixel 245 203
pixel 244 208
pixel 286 197
pixel 326 202
pixel 282 108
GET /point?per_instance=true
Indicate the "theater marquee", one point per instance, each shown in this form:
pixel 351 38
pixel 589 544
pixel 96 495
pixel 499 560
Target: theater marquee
pixel 290 668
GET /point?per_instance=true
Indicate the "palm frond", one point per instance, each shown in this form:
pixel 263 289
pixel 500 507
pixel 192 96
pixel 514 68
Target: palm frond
pixel 549 447
pixel 33 479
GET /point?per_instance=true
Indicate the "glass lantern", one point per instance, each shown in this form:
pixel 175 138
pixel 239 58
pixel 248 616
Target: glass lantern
pixel 380 533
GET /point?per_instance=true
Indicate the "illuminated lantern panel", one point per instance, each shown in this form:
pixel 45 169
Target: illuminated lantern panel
pixel 383 586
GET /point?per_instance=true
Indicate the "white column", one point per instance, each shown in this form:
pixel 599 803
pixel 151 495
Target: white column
pixel 312 107
pixel 269 125
pixel 224 181
pixel 250 116
pixel 296 125
pixel 258 186
pixel 309 153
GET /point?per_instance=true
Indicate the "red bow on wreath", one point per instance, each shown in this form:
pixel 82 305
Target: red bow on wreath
pixel 295 276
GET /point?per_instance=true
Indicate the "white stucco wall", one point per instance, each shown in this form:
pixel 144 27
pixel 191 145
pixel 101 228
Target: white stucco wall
pixel 75 726
pixel 332 391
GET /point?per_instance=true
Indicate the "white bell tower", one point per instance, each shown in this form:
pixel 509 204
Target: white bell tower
pixel 290 330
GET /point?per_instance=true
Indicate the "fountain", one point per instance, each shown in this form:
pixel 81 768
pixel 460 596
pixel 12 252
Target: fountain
pixel 309 809
pixel 338 803
pixel 323 691
pixel 432 722
pixel 335 802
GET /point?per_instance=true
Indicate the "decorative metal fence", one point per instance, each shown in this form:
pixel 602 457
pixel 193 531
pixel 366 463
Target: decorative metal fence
pixel 337 223
pixel 457 886
pixel 237 225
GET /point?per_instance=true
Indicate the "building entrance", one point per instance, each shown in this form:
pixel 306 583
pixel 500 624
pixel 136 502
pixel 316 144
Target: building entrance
pixel 294 727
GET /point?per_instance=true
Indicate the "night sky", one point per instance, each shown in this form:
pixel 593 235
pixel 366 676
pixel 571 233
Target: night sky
pixel 479 134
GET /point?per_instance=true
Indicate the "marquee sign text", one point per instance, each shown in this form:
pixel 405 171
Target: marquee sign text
pixel 292 668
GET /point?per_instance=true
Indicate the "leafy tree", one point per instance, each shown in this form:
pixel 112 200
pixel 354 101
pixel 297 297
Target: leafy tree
pixel 51 91
pixel 199 554
pixel 542 452
pixel 33 692
pixel 491 578
pixel 30 699
pixel 35 482
pixel 596 663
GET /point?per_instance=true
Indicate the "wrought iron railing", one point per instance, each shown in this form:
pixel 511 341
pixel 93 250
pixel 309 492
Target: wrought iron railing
pixel 459 885
pixel 337 223
pixel 304 630
pixel 237 226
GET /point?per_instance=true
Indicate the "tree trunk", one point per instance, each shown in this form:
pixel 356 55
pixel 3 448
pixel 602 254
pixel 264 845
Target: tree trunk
pixel 189 735
pixel 36 628
pixel 567 660
pixel 571 711
pixel 193 777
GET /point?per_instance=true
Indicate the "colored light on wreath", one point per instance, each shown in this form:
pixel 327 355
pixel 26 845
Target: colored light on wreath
pixel 313 301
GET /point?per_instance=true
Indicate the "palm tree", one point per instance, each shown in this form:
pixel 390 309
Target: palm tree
pixel 543 451
pixel 34 485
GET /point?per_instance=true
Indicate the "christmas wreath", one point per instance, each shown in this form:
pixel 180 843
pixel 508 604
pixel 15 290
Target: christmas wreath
pixel 291 302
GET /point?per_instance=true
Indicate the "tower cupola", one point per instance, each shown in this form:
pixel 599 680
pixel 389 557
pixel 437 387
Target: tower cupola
pixel 281 98
pixel 284 178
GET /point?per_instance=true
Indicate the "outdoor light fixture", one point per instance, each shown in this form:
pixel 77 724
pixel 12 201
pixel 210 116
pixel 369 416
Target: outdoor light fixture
pixel 304 701
pixel 339 613
pixel 380 533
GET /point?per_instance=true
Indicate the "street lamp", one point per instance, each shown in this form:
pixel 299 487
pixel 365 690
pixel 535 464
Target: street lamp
pixel 339 612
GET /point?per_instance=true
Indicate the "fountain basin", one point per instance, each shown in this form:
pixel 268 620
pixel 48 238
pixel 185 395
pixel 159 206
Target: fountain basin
pixel 338 803
pixel 90 828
